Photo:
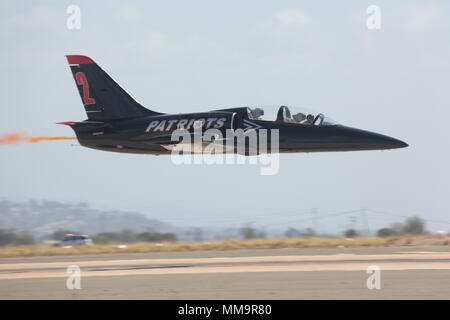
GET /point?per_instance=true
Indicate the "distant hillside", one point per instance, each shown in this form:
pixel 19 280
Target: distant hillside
pixel 44 217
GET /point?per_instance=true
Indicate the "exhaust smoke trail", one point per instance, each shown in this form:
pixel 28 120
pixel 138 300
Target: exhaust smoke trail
pixel 12 138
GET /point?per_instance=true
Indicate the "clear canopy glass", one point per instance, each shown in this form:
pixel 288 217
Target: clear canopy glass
pixel 303 116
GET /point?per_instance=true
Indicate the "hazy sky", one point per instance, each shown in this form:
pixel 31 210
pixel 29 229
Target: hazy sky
pixel 182 56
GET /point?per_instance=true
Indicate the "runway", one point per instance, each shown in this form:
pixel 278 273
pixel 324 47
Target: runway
pixel 405 273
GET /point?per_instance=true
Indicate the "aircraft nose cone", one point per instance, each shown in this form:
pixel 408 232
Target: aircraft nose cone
pixel 395 143
pixel 384 142
pixel 371 140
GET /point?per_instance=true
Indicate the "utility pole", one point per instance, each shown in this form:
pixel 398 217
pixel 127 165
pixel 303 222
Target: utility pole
pixel 352 222
pixel 315 222
pixel 365 221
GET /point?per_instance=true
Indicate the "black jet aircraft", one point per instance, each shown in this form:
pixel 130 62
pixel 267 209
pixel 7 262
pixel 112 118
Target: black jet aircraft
pixel 117 122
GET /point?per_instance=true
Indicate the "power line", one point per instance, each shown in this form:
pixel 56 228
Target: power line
pixel 304 216
pixel 406 216
pixel 318 217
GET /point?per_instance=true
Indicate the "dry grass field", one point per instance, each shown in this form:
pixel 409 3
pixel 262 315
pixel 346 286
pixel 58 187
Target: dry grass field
pixel 142 247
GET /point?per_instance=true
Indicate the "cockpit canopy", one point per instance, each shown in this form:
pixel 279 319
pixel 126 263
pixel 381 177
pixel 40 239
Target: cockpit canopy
pixel 301 116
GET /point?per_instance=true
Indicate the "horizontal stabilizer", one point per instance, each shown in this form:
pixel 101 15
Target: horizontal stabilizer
pixel 86 125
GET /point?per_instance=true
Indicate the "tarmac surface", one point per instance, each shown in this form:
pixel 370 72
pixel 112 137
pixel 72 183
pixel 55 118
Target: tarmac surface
pixel 337 273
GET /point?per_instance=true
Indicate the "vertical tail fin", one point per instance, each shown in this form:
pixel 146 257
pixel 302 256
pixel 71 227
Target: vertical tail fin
pixel 102 97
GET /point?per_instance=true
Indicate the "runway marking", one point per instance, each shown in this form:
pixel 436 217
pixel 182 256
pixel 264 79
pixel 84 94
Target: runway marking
pixel 340 262
pixel 236 269
pixel 196 261
pixel 424 252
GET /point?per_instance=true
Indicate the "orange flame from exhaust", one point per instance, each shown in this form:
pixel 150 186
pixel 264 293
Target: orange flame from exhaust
pixel 13 138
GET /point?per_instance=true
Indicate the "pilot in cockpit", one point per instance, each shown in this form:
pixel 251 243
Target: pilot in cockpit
pixel 299 117
pixel 309 119
pixel 255 113
pixel 284 114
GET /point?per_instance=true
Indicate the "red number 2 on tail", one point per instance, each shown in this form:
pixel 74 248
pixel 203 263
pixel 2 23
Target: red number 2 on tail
pixel 82 81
